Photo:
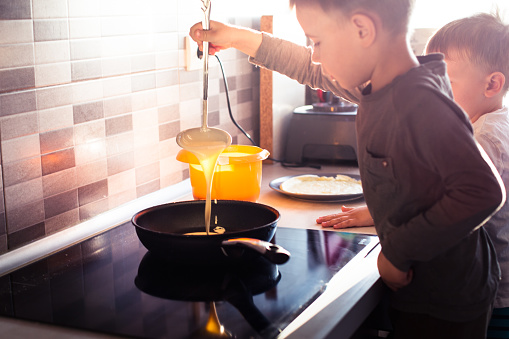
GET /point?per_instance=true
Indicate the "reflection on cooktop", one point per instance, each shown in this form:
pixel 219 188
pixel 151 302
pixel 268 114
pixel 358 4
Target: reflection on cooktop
pixel 111 284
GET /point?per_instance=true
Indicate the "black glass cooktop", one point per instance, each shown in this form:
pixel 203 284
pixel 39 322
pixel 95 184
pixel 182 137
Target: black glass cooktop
pixel 111 284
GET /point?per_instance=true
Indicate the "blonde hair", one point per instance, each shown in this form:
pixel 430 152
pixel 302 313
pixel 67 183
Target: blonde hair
pixel 482 38
pixel 395 14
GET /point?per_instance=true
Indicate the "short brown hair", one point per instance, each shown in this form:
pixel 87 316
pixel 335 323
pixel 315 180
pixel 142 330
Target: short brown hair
pixel 482 38
pixel 395 14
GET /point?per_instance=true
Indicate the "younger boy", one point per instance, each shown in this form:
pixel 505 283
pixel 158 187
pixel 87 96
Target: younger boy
pixel 426 184
pixel 476 51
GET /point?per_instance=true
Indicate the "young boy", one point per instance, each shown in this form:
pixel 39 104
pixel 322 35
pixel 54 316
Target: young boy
pixel 476 51
pixel 426 184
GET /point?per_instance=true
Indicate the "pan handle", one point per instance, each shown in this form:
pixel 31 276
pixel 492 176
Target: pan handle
pixel 272 252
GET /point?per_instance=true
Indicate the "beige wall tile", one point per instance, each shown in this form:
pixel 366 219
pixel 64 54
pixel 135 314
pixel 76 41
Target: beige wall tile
pixel 168 148
pixel 84 8
pixel 85 49
pixel 20 148
pixel 61 221
pixel 52 74
pixel 85 91
pixel 47 52
pixel 23 193
pixel 55 118
pixel 145 119
pixel 89 27
pixel 116 86
pixel 119 65
pixel 55 96
pixel 51 29
pixel 25 216
pixel 16 55
pixel 89 132
pixel 117 105
pixel 190 113
pixel 144 100
pixel 147 173
pixel 168 59
pixel 121 182
pixel 16 31
pixel 49 9
pixel 169 95
pixel 91 172
pixel 90 152
pixel 120 143
pixel 93 209
pixel 147 136
pixel 171 179
pixel 59 182
pixel 146 154
pixel 18 125
pixel 115 200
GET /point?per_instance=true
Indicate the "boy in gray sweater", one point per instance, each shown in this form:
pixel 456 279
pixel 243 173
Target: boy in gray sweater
pixel 426 183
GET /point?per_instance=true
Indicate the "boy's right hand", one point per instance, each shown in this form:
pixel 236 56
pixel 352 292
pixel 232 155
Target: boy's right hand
pixel 219 36
pixel 392 276
pixel 222 36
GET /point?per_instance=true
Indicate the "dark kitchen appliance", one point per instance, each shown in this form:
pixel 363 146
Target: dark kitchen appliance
pixel 93 286
pixel 323 132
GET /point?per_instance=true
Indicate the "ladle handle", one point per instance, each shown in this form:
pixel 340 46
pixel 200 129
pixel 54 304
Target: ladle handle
pixel 206 26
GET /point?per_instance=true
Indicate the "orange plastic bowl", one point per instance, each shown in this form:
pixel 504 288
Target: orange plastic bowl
pixel 238 173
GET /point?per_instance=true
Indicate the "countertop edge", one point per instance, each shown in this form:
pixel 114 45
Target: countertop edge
pixel 349 286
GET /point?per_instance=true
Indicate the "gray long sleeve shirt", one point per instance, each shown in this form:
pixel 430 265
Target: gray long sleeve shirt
pixel 425 182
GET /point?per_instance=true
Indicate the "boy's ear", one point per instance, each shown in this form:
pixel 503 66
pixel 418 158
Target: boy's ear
pixel 365 27
pixel 494 84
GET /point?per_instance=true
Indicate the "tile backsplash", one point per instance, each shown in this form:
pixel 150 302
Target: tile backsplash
pixel 92 95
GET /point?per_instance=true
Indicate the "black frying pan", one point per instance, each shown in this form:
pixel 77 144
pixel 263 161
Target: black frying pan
pixel 161 229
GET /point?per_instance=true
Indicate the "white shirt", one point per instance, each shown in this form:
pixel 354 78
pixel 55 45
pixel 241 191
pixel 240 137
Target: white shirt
pixel 491 130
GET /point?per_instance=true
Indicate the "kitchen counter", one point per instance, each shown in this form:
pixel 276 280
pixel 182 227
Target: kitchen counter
pixel 350 296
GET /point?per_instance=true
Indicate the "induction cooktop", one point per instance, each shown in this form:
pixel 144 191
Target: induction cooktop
pixel 111 284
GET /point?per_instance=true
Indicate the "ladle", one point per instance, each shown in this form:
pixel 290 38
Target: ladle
pixel 204 135
pixel 204 142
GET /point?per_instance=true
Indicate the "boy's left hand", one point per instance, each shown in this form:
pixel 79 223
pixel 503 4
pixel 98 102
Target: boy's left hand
pixel 348 217
pixel 393 277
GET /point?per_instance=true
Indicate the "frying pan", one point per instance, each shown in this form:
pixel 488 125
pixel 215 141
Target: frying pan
pixel 248 228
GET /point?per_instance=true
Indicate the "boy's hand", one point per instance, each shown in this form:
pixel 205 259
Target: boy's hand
pixel 222 36
pixel 348 217
pixel 219 36
pixel 393 277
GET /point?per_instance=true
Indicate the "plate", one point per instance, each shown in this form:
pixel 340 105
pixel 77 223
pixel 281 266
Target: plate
pixel 276 183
